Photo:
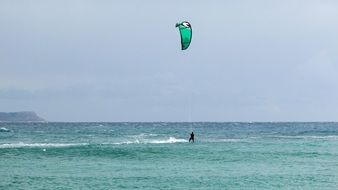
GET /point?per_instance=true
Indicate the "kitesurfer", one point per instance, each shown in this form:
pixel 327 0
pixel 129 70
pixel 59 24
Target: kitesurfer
pixel 192 137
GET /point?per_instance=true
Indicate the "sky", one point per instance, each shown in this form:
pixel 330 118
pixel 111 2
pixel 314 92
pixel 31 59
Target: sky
pixel 120 60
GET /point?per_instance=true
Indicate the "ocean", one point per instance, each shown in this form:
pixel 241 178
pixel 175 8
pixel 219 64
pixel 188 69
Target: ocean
pixel 159 156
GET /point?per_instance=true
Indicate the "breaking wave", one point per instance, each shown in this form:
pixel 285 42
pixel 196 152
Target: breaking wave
pixel 4 129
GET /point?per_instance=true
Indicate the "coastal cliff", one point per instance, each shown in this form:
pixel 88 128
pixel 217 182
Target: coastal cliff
pixel 20 117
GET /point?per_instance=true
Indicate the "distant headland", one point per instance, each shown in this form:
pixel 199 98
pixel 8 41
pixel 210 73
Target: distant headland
pixel 26 116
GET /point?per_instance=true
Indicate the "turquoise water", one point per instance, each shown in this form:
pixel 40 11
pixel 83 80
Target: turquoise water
pixel 158 156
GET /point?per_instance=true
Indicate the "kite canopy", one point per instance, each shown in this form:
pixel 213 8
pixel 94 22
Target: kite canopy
pixel 186 34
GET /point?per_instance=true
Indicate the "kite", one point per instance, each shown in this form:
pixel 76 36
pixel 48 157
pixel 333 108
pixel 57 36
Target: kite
pixel 186 34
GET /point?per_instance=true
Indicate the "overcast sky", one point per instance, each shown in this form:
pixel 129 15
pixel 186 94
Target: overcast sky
pixel 120 60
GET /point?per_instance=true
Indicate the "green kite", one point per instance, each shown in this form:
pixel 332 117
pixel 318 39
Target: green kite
pixel 186 34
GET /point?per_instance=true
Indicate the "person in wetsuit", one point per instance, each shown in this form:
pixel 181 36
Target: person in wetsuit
pixel 192 137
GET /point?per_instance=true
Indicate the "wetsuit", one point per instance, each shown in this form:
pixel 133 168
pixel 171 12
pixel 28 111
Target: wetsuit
pixel 192 137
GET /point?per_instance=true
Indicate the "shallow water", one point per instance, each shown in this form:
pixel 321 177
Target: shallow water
pixel 158 156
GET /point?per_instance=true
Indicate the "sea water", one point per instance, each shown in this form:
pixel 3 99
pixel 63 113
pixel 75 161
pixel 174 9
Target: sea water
pixel 159 156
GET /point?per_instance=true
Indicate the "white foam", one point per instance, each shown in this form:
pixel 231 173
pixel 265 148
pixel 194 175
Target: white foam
pixel 125 142
pixel 37 145
pixel 169 140
pixel 4 129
